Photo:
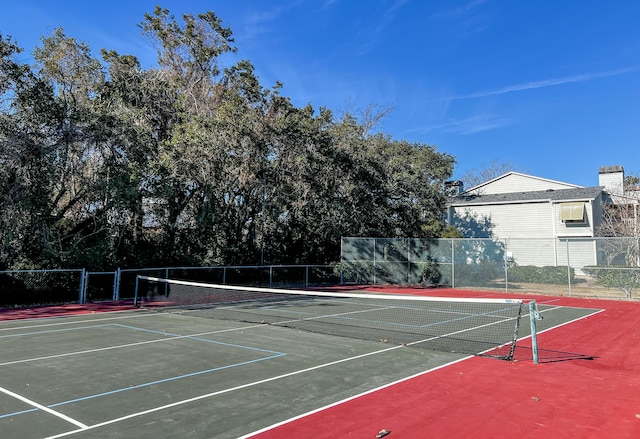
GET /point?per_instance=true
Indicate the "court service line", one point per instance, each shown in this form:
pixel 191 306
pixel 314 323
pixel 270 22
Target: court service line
pixel 243 386
pixel 197 338
pixel 343 401
pixel 134 315
pixel 53 331
pixel 166 380
pixel 43 408
pixel 221 392
pixel 127 345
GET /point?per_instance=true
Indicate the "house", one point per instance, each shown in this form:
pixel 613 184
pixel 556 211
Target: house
pixel 517 205
pixel 537 218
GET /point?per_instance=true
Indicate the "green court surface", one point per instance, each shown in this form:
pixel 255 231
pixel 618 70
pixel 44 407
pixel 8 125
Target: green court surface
pixel 144 374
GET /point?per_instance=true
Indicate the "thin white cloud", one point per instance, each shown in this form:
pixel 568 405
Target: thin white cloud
pixel 471 125
pixel 542 84
pixel 456 13
pixel 260 22
pixel 377 34
pixel 475 124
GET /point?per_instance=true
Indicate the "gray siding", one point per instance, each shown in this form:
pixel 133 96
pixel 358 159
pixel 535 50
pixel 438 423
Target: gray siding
pixel 512 220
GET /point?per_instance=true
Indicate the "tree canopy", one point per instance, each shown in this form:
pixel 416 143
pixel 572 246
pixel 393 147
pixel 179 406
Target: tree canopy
pixel 105 163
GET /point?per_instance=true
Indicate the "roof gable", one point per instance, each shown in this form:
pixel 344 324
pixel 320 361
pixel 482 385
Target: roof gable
pixel 517 182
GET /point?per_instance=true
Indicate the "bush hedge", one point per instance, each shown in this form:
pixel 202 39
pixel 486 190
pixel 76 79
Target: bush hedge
pixel 540 275
pixel 624 278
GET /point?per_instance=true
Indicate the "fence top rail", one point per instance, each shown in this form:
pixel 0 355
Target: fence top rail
pixel 57 270
pixel 226 266
pixel 612 268
pixel 517 238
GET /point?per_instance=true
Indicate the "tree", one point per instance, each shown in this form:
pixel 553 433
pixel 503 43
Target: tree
pixel 14 78
pixel 619 246
pixel 192 161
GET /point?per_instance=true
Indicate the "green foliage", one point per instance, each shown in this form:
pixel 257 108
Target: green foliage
pixel 540 275
pixel 482 273
pixel 622 277
pixel 106 164
pixel 430 273
pixel 356 272
pixel 450 232
pixel 38 287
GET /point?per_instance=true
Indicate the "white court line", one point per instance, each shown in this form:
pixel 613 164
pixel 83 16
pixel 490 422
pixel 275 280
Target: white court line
pixel 44 408
pixel 320 409
pixel 243 386
pixel 138 313
pixel 295 418
pixel 220 392
pixel 596 311
pixel 255 383
pixel 140 343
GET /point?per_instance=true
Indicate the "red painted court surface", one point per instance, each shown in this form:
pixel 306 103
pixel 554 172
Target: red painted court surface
pixel 587 385
pixel 63 310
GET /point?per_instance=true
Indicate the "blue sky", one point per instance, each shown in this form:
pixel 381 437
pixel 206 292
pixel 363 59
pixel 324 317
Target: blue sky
pixel 551 86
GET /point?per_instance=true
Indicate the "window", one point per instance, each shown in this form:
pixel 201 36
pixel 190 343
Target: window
pixel 572 212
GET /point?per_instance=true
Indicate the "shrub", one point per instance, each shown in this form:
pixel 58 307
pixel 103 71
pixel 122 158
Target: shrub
pixel 622 277
pixel 540 275
pixel 356 272
pixel 478 274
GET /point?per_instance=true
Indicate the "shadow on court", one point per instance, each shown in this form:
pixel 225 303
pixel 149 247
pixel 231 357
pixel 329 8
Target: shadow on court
pixel 523 353
pixel 144 374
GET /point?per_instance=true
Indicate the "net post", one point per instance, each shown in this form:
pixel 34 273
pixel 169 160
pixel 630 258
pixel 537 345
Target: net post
pixel 533 316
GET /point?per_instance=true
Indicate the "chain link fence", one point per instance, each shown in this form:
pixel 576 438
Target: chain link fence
pixel 581 267
pixel 282 276
pixel 20 288
pixel 585 267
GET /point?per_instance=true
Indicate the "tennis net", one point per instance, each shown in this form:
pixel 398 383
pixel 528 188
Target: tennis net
pixel 485 327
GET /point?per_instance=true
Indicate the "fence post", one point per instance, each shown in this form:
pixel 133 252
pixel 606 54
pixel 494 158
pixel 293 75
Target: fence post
pixel 568 266
pixel 270 275
pixel 83 283
pixel 116 285
pixel 408 261
pixel 374 261
pixel 306 276
pixel 135 294
pixel 506 267
pixel 453 265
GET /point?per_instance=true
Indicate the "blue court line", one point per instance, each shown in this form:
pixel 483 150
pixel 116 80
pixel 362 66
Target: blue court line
pixel 151 383
pixel 274 355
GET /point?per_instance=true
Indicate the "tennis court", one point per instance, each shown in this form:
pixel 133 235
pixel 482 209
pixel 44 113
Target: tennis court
pixel 143 373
